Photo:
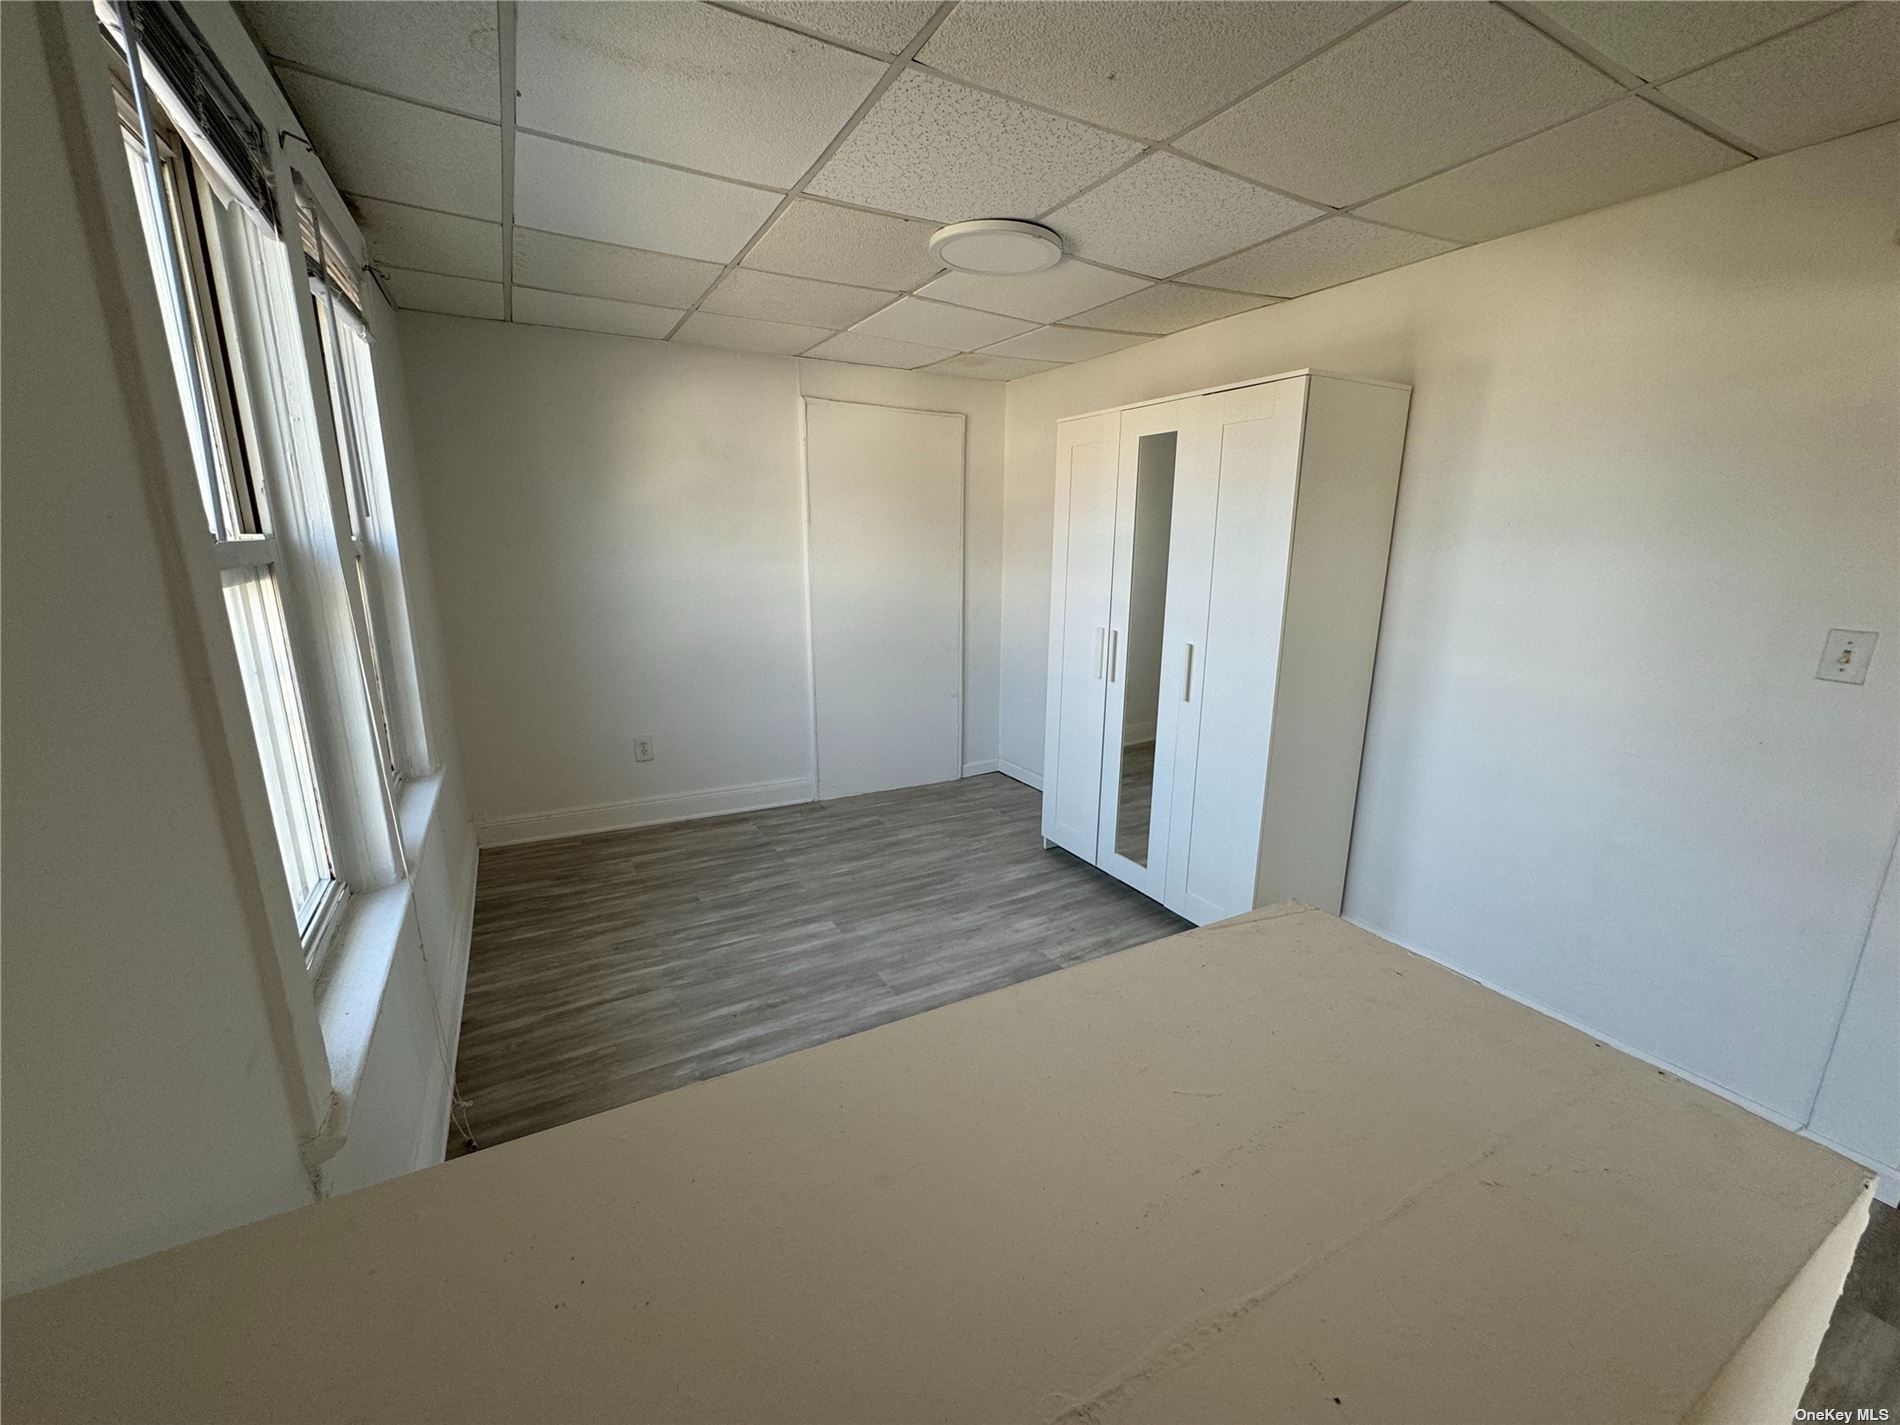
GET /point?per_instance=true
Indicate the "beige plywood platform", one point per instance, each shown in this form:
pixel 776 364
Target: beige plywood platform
pixel 1276 1169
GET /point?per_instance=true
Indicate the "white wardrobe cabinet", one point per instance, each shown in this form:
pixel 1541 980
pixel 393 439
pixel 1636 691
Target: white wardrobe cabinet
pixel 1218 574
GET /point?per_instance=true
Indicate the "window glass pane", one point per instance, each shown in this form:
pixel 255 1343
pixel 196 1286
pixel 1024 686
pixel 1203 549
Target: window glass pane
pixel 177 334
pixel 347 371
pixel 283 744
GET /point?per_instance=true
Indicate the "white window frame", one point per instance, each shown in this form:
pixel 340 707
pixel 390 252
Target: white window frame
pixel 349 379
pixel 267 345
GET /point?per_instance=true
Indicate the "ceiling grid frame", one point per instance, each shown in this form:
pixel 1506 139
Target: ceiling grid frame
pixel 1675 45
pixel 797 190
pixel 505 31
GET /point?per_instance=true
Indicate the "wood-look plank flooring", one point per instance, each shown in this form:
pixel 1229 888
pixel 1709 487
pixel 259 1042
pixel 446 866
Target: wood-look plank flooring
pixel 1858 1365
pixel 609 968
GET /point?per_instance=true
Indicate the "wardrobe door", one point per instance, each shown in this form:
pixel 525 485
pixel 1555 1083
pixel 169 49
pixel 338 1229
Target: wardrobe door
pixel 1158 470
pixel 1086 455
pixel 1227 715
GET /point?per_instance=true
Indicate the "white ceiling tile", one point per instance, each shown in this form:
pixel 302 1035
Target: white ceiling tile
pixel 883 25
pixel 836 244
pixel 593 314
pixel 980 366
pixel 746 334
pixel 1336 250
pixel 938 324
pixel 774 298
pixel 582 192
pixel 1624 151
pixel 384 148
pixel 1836 76
pixel 444 53
pixel 1138 68
pixel 1070 286
pixel 1428 86
pixel 1167 213
pixel 863 349
pixel 598 269
pixel 428 241
pixel 934 149
pixel 1165 308
pixel 1655 41
pixel 1059 344
pixel 453 296
pixel 688 84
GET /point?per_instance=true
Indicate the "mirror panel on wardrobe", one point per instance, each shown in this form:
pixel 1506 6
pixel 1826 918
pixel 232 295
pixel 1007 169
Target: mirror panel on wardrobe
pixel 1141 660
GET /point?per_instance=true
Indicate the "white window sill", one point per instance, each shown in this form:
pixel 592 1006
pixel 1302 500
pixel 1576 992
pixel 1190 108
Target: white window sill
pixel 350 999
pixel 416 802
pixel 356 971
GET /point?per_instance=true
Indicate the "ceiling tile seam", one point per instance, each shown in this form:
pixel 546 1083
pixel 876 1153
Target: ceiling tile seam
pixel 591 296
pixel 1109 177
pixel 330 77
pixel 1313 221
pixel 505 32
pixel 1148 140
pixel 419 207
pixel 1583 50
pixel 1681 112
pixel 1352 209
pixel 1255 182
pixel 792 27
pixel 395 267
pixel 822 281
pixel 885 81
pixel 1776 37
pixel 1555 31
pixel 643 158
pixel 1300 63
pixel 400 203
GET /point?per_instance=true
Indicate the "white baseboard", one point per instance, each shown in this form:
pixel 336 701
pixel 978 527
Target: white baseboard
pixel 1019 772
pixel 1760 1110
pixel 977 769
pixel 643 811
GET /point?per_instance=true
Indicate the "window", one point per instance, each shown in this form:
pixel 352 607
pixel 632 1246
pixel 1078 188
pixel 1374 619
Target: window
pixel 208 255
pixel 351 380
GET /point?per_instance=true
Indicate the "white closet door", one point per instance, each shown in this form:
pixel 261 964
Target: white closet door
pixel 885 509
pixel 1081 564
pixel 1258 430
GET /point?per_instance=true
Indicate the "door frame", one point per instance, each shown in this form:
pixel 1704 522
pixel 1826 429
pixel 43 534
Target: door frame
pixel 963 571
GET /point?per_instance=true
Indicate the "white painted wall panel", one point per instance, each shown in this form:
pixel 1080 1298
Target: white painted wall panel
pixel 617 528
pixel 885 507
pixel 1649 464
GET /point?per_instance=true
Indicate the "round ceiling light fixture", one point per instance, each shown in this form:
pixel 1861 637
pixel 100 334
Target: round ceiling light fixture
pixel 996 247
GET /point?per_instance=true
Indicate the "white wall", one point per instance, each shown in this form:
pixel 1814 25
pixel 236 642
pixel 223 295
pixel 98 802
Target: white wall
pixel 147 1099
pixel 618 530
pixel 144 1100
pixel 1651 460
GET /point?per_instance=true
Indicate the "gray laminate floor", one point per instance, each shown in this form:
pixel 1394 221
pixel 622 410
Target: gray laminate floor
pixel 606 969
pixel 1858 1366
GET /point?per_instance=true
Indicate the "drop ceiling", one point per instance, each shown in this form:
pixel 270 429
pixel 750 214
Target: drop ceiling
pixel 766 176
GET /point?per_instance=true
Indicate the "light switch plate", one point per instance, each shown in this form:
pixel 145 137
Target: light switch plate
pixel 1845 656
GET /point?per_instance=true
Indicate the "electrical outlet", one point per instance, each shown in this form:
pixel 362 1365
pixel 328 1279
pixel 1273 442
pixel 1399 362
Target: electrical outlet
pixel 643 749
pixel 1846 654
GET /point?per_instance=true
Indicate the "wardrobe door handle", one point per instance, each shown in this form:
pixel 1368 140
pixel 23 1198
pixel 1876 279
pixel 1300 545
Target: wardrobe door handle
pixel 1187 682
pixel 1114 648
pixel 1101 650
